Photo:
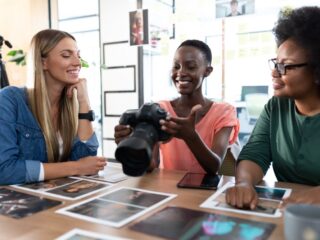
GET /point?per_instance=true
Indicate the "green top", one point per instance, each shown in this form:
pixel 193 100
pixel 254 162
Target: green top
pixel 287 139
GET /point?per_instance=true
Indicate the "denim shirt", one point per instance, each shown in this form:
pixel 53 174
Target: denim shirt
pixel 22 144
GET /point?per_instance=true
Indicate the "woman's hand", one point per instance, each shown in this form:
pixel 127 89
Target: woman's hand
pixel 121 132
pixel 82 91
pixel 242 195
pixel 90 165
pixel 181 127
pixel 310 196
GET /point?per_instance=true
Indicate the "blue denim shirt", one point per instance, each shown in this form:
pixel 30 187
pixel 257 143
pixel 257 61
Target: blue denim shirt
pixel 22 144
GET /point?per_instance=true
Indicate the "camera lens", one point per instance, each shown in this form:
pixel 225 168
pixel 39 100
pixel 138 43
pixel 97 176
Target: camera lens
pixel 135 152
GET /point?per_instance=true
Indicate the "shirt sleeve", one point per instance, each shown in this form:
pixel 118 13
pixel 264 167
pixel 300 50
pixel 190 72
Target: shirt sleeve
pixel 41 174
pixel 86 148
pixel 228 118
pixel 258 147
pixel 13 169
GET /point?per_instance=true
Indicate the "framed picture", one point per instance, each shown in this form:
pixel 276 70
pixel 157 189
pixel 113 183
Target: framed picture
pixel 233 8
pixel 139 27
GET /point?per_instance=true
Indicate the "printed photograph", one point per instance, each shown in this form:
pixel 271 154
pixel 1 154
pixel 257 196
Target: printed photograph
pixel 66 188
pixel 109 174
pixel 79 234
pixel 118 207
pixel 139 27
pixel 234 8
pixel 79 189
pixel 19 205
pixel 183 223
pixel 49 184
pixel 135 197
pixel 268 205
pixel 272 193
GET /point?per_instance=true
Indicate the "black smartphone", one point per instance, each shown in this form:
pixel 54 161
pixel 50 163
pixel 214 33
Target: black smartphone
pixel 199 180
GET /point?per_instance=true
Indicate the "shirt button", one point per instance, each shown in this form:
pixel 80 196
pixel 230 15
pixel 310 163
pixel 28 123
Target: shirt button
pixel 27 135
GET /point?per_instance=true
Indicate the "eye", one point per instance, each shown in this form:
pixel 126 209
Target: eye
pixel 176 67
pixel 65 55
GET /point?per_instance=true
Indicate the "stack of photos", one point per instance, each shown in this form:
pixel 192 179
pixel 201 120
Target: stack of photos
pixel 268 205
pixel 118 207
pixel 109 174
pixel 65 188
pixel 182 223
pixel 18 205
pixel 79 234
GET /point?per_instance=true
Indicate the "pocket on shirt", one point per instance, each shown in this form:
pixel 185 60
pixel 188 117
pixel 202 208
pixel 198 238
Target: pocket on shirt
pixel 31 143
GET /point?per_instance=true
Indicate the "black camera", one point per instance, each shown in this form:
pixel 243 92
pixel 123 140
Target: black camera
pixel 135 152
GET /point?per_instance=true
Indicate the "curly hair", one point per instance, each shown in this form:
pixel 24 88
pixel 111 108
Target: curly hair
pixel 202 46
pixel 302 26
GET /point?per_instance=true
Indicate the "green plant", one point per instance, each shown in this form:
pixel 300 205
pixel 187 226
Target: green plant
pixel 19 57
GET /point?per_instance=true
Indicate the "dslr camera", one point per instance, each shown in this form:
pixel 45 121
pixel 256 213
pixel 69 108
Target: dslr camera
pixel 135 152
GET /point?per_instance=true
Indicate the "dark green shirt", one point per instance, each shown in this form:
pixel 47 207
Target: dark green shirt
pixel 287 139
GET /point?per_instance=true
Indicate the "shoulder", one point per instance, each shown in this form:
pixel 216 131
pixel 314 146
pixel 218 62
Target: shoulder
pixel 164 104
pixel 12 93
pixel 223 106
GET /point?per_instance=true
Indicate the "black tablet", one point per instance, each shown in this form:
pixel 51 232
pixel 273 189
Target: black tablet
pixel 199 180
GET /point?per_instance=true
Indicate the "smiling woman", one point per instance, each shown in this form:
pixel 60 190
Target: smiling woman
pixel 40 130
pixel 201 129
pixel 287 133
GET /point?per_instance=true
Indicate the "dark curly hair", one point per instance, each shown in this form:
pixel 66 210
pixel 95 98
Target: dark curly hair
pixel 302 25
pixel 202 46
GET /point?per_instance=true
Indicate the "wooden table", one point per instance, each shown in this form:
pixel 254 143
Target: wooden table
pixel 49 225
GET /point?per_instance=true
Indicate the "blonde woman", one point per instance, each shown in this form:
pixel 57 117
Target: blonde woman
pixel 45 129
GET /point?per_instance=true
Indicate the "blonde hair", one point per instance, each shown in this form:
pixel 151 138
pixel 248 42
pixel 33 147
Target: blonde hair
pixel 42 43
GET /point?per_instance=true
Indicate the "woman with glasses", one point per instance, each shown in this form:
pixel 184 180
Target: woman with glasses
pixel 287 133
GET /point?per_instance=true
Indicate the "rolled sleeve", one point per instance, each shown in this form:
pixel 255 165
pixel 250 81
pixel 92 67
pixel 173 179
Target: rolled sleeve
pixel 85 148
pixel 32 171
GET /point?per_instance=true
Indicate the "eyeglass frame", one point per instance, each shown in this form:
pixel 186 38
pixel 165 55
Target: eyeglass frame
pixel 283 66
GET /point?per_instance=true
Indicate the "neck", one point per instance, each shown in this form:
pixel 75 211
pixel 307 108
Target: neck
pixel 308 106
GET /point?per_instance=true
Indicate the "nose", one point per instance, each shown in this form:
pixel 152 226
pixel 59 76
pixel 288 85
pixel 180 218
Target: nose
pixel 275 73
pixel 76 61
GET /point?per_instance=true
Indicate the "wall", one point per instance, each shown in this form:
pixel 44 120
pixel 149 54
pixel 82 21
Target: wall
pixel 120 85
pixel 19 21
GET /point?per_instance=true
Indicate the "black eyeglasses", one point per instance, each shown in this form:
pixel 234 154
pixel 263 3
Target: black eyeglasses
pixel 282 67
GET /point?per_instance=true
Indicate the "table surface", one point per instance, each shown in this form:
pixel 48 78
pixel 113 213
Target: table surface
pixel 50 225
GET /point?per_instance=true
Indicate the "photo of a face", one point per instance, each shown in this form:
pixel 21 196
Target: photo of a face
pixel 78 188
pixel 49 184
pixel 234 8
pixel 139 29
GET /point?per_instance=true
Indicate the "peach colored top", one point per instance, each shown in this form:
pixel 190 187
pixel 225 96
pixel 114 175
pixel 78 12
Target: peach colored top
pixel 176 155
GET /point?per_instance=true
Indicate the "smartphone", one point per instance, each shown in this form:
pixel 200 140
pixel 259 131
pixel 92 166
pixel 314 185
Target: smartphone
pixel 199 180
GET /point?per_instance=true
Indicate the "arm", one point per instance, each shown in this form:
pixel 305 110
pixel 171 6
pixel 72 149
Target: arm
pixel 184 128
pixel 309 196
pixel 84 166
pixel 243 194
pixel 210 159
pixel 85 129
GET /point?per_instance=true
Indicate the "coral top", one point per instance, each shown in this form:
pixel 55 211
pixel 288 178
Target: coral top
pixel 176 155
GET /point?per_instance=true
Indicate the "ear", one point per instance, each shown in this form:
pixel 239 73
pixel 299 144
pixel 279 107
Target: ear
pixel 44 63
pixel 209 69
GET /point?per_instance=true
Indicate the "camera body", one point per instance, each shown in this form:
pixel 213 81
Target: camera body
pixel 135 152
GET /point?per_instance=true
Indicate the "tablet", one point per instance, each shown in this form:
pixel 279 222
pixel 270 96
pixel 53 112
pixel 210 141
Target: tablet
pixel 199 180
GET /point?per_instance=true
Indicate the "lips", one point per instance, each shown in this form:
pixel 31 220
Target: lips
pixel 277 85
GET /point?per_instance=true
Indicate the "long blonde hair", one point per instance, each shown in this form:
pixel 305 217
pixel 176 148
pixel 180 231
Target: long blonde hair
pixel 42 43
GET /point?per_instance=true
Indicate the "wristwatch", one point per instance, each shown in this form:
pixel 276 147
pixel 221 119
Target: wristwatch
pixel 88 116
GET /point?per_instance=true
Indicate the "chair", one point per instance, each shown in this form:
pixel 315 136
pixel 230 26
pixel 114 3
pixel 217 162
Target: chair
pixel 254 104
